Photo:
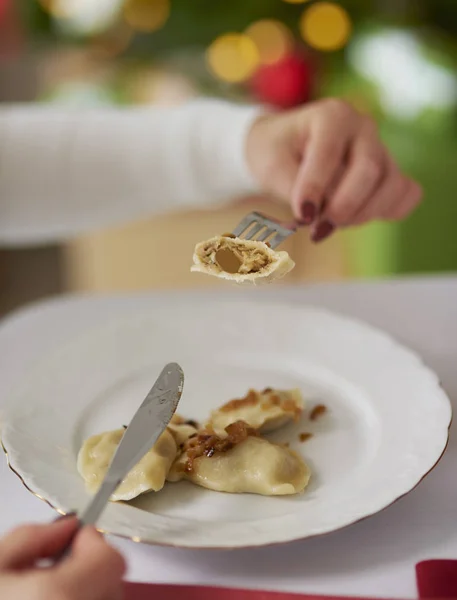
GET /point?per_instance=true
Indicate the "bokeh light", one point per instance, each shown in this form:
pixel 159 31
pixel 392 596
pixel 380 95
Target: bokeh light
pixel 160 87
pixel 325 26
pixel 86 17
pixel 146 15
pixel 60 9
pixel 233 57
pixel 272 38
pixel 112 42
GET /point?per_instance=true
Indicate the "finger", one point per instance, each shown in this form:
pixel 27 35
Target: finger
pixel 25 545
pixel 94 569
pixel 398 196
pixel 323 228
pixel 409 201
pixel 325 151
pixel 364 174
pixel 390 192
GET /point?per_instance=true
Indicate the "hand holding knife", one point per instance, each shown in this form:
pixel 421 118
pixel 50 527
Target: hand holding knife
pixel 147 425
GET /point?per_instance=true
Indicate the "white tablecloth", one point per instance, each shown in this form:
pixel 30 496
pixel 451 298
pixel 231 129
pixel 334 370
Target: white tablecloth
pixel 374 557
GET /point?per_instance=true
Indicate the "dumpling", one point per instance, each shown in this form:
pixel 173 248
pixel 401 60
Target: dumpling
pixel 149 474
pixel 265 411
pixel 241 261
pixel 182 430
pixel 241 463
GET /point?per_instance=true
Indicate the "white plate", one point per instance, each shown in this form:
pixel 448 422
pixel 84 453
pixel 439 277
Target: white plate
pixel 386 428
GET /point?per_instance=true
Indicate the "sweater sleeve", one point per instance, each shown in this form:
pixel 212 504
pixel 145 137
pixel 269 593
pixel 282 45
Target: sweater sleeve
pixel 64 172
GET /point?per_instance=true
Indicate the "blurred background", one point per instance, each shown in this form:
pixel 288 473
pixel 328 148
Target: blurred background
pixel 394 59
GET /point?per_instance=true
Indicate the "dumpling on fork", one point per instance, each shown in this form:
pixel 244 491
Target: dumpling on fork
pixel 240 462
pixel 240 260
pixel 264 411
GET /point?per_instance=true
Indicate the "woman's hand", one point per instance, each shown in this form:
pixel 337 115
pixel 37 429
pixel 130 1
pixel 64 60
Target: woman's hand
pixel 93 570
pixel 326 159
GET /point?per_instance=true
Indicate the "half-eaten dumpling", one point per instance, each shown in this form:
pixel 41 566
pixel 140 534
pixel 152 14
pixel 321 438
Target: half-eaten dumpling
pixel 239 260
pixel 149 474
pixel 265 411
pixel 241 463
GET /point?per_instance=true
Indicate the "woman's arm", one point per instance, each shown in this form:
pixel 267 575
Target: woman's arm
pixel 66 171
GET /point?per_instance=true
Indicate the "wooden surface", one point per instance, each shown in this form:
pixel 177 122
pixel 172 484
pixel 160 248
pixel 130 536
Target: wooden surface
pixel 157 254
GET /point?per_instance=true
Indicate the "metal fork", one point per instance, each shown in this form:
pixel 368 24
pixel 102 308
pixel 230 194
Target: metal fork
pixel 259 227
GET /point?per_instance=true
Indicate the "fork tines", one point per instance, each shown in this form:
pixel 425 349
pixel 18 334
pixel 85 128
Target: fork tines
pixel 256 226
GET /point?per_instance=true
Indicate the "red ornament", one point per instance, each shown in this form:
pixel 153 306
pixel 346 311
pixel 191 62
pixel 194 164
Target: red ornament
pixel 3 8
pixel 286 83
pixel 11 36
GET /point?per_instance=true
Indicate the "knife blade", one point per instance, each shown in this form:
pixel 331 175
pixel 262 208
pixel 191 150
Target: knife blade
pixel 147 425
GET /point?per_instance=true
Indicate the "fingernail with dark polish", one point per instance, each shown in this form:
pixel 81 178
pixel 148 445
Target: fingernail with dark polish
pixel 323 230
pixel 308 212
pixel 67 516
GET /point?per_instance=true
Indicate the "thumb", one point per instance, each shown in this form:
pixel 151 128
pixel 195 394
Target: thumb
pixel 94 569
pixel 27 544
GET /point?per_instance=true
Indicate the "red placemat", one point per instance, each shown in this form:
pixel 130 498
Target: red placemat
pixel 436 579
pixel 145 591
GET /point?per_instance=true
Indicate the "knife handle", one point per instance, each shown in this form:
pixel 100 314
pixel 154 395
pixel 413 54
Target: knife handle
pixel 65 551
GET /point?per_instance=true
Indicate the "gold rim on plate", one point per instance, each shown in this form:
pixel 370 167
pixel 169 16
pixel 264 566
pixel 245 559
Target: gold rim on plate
pixel 139 540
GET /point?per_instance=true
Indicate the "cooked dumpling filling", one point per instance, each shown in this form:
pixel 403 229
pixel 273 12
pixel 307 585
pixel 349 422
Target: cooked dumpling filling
pixel 265 411
pixel 147 475
pixel 239 260
pixel 241 462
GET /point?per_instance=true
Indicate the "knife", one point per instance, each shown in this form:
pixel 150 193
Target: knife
pixel 147 425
